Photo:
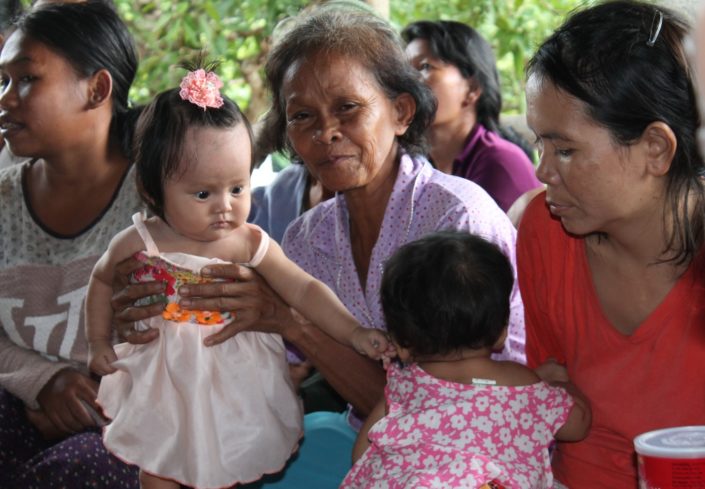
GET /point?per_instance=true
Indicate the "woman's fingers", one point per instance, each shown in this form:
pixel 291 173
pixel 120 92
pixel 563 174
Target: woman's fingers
pixel 62 400
pixel 230 271
pixel 552 371
pixel 41 422
pixel 221 296
pixel 124 269
pixel 226 333
pixel 126 296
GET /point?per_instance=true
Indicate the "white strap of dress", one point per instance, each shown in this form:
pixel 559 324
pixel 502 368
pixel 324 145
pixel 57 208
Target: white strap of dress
pixel 261 249
pixel 150 245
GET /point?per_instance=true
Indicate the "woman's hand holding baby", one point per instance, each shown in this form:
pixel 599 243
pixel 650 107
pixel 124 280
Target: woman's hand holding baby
pixel 243 292
pixel 552 371
pixel 63 400
pixel 125 294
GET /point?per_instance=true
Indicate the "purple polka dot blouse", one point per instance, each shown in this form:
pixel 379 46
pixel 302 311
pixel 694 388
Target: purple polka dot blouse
pixel 423 200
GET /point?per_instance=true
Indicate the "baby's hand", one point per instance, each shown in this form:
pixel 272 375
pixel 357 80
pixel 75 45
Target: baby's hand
pixel 372 343
pixel 101 356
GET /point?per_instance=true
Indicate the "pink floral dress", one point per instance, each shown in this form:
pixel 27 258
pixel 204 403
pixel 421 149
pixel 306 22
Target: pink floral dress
pixel 207 417
pixel 442 434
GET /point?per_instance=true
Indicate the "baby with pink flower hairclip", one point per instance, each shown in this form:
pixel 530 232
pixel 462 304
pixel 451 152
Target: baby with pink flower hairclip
pixel 167 399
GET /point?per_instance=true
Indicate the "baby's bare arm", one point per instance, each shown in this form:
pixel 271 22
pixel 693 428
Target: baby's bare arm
pixel 309 296
pixel 99 312
pixel 362 442
pixel 579 420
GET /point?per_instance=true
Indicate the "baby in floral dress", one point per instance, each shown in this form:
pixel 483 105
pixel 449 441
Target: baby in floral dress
pixel 452 416
pixel 188 414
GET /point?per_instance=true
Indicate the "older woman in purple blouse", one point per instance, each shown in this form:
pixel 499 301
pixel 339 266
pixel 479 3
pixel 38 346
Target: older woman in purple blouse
pixel 349 106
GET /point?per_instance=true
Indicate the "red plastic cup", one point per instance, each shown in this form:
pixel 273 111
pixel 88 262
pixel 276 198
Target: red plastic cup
pixel 672 458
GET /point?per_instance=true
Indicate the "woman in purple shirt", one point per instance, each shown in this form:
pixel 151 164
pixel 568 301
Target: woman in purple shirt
pixel 465 136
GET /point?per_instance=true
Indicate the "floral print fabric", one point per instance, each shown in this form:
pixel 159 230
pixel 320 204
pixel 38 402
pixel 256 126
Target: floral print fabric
pixel 442 434
pixel 173 276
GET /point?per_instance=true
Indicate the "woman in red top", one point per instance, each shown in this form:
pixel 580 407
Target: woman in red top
pixel 610 258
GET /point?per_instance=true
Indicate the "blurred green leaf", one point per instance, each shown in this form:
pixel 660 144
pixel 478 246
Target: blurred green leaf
pixel 237 33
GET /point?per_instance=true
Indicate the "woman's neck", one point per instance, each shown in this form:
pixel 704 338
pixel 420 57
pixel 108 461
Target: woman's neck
pixel 639 242
pixel 80 169
pixel 448 140
pixel 629 274
pixel 366 208
pixel 68 191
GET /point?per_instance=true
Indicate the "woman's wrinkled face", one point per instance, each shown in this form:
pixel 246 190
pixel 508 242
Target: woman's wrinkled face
pixel 593 184
pixel 341 123
pixel 446 81
pixel 43 102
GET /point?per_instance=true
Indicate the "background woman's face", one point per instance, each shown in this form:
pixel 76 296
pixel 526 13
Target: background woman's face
pixel 444 79
pixel 340 122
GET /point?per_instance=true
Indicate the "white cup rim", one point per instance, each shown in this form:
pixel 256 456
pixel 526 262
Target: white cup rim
pixel 676 442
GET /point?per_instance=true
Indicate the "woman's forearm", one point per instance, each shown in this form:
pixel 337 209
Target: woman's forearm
pixel 24 372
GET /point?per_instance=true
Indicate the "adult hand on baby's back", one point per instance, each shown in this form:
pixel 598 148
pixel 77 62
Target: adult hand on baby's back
pixel 62 401
pixel 552 371
pixel 125 294
pixel 243 292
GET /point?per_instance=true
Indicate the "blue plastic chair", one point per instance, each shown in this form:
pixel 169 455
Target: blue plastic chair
pixel 323 458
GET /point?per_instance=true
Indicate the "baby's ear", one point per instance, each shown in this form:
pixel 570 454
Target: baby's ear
pixel 100 88
pixel 499 344
pixel 403 353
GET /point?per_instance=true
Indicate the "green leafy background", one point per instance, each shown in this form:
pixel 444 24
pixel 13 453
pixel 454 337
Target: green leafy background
pixel 169 32
pixel 238 33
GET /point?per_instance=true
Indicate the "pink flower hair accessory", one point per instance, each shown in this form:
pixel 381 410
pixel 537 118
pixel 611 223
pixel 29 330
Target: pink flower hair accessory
pixel 202 88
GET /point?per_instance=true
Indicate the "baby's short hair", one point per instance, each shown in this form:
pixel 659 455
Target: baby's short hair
pixel 447 291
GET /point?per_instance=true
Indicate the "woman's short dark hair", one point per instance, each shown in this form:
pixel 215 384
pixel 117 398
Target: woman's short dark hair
pixel 445 292
pixel 625 61
pixel 90 36
pixel 160 134
pixel 356 34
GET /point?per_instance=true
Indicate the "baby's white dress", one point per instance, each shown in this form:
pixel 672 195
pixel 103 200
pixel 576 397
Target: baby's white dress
pixel 206 417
